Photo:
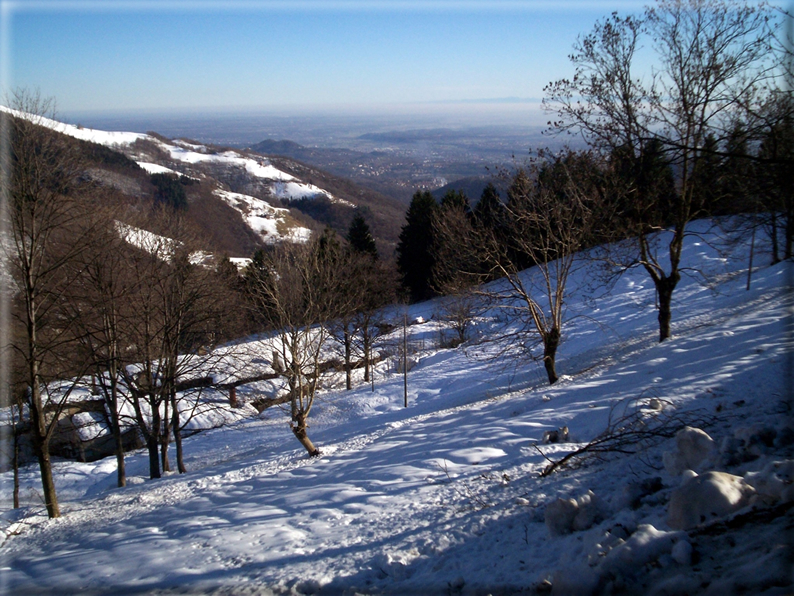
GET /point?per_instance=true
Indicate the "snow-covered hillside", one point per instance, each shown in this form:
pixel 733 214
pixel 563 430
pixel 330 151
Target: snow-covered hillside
pixel 157 155
pixel 264 218
pixel 445 496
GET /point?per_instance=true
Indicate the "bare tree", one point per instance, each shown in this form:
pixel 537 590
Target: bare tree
pixel 774 168
pixel 367 285
pixel 458 266
pixel 174 309
pixel 549 223
pixel 381 290
pixel 296 290
pixel 99 306
pixel 713 58
pixel 43 201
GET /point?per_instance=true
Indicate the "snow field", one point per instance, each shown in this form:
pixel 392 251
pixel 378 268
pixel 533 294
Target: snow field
pixel 444 496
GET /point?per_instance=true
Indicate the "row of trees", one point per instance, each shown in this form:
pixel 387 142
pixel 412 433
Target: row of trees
pixel 707 131
pixel 90 297
pixel 719 67
pixel 551 213
pixel 138 314
pixel 95 298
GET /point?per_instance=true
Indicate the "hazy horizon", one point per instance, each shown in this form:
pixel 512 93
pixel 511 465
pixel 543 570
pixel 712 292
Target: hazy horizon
pixel 328 126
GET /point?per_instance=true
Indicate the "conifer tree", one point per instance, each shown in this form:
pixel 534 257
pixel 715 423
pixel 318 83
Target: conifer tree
pixel 489 212
pixel 736 175
pixel 415 247
pixel 518 194
pixel 456 199
pixel 360 237
pixel 708 180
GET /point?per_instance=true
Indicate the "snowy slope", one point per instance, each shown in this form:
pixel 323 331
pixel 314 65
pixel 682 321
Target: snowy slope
pixel 185 152
pixel 263 218
pixel 445 496
pixel 102 137
pixel 277 184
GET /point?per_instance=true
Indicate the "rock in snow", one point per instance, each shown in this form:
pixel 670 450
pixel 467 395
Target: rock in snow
pixel 622 559
pixel 560 515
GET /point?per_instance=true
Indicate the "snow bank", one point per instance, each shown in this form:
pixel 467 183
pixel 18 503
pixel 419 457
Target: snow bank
pixel 376 514
pixel 694 448
pixel 615 562
pixel 564 516
pixel 107 138
pixel 263 218
pixel 704 498
pixel 775 482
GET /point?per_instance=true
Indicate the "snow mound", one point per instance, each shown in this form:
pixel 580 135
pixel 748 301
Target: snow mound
pixel 153 168
pixel 703 498
pixel 616 562
pixel 263 218
pixel 564 516
pixel 694 447
pixel 775 482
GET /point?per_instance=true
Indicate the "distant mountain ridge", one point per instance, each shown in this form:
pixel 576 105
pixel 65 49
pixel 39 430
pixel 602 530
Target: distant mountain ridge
pixel 240 199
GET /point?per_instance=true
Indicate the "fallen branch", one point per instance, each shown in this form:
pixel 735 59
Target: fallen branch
pixel 634 431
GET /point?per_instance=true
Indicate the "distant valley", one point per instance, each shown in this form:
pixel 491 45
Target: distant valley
pixel 392 154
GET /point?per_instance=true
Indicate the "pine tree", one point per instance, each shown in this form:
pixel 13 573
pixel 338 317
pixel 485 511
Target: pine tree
pixel 490 211
pixel 456 199
pixel 360 237
pixel 415 247
pixel 520 188
pixel 737 173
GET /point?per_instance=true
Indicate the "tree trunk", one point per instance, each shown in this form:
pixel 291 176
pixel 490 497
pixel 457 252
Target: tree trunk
pixel 665 287
pixel 16 468
pixel 773 237
pixel 299 429
pixel 16 428
pixel 367 350
pixel 41 445
pixel 180 458
pixel 180 462
pixel 551 341
pixel 47 482
pixel 165 438
pixel 121 470
pixel 115 425
pixel 153 441
pixel 348 364
pixel 152 444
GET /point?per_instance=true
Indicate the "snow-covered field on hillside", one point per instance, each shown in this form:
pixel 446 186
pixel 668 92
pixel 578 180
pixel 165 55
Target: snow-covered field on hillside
pixel 445 496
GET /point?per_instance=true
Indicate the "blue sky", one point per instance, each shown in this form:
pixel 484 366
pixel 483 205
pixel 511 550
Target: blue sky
pixel 144 55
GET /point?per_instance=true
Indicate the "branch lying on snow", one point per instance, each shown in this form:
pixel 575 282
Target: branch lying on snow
pixel 634 431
